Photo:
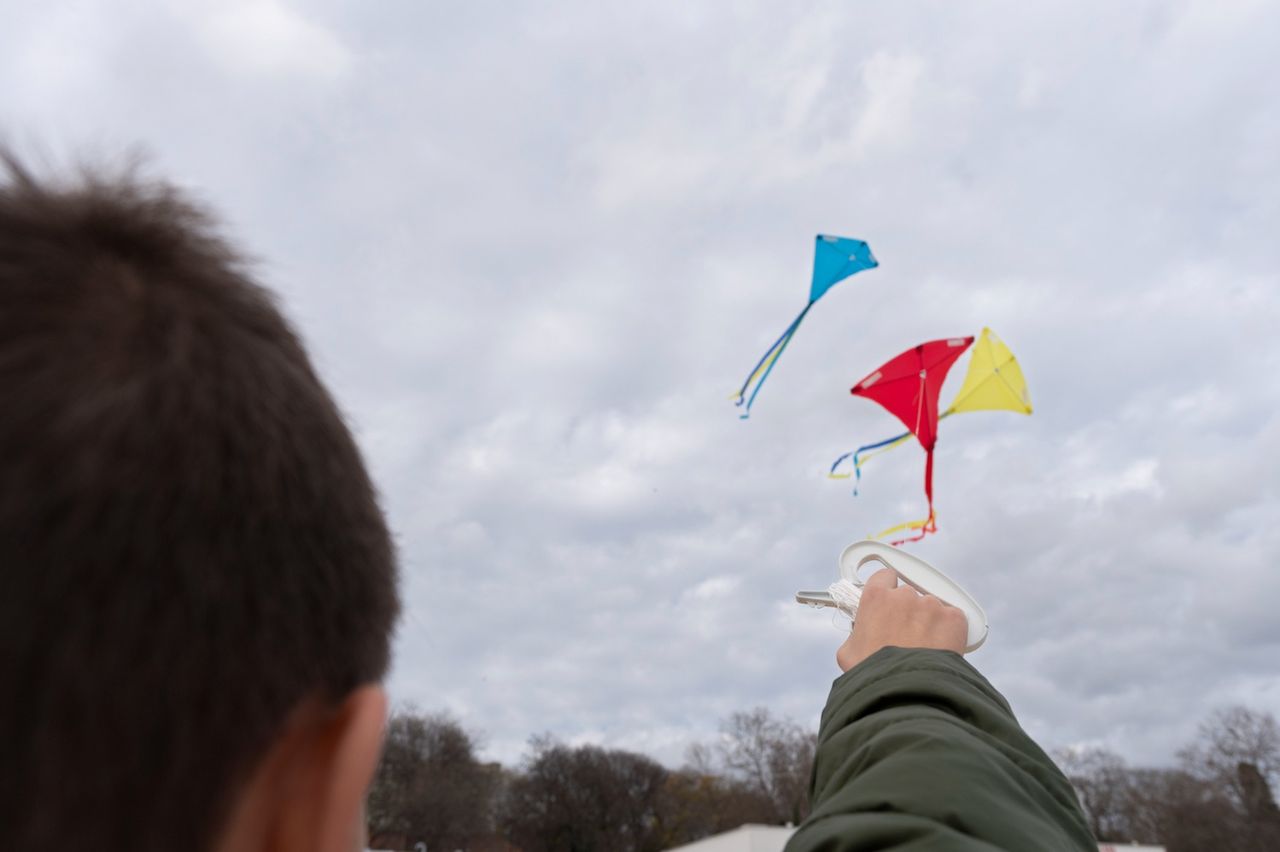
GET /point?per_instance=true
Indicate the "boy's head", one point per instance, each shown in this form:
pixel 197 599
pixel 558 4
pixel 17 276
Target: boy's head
pixel 198 586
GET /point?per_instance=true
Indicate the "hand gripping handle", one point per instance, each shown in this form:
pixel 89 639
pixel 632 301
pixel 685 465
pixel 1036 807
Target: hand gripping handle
pixel 919 575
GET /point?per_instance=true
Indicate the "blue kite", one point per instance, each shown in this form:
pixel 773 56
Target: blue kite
pixel 834 259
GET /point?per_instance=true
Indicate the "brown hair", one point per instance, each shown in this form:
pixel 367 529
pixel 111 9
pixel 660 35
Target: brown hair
pixel 189 541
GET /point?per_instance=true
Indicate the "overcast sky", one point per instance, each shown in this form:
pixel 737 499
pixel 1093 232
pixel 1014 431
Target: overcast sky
pixel 534 246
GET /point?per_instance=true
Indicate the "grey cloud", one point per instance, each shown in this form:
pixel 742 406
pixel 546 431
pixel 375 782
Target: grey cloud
pixel 534 246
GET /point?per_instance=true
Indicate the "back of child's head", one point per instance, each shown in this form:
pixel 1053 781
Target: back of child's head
pixel 190 543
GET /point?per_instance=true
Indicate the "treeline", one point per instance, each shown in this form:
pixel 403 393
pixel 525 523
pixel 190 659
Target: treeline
pixel 431 788
pixel 1219 796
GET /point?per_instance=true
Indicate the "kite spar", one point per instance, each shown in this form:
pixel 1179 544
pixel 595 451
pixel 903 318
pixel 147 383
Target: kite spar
pixel 834 259
pixel 994 382
pixel 908 387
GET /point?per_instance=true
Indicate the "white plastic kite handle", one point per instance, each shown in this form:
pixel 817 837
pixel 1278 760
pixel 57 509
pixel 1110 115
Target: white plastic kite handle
pixel 846 592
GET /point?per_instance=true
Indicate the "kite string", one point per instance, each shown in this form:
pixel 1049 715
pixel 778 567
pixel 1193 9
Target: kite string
pixel 846 595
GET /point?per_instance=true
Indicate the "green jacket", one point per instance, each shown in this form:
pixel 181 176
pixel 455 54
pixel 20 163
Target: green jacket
pixel 917 751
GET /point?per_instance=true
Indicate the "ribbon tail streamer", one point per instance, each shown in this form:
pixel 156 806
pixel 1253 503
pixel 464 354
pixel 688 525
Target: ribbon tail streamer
pixel 760 373
pixel 922 527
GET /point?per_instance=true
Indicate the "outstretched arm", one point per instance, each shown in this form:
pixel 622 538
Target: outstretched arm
pixel 917 751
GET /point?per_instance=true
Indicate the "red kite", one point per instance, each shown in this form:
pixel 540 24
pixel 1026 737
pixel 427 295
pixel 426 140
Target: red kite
pixel 908 387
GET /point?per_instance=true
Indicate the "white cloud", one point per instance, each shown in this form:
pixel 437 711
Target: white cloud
pixel 1136 478
pixel 266 37
pixel 534 247
pixel 884 120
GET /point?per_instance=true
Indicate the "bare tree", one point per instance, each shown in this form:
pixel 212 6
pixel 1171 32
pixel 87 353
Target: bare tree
pixel 584 799
pixel 773 757
pixel 1221 798
pixel 1104 787
pixel 1179 810
pixel 695 804
pixel 1229 738
pixel 429 786
pixel 1238 753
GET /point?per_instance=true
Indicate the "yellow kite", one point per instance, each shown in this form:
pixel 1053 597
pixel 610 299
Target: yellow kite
pixel 994 383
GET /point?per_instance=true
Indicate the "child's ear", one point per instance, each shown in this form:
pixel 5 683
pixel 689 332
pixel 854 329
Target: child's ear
pixel 348 748
pixel 307 794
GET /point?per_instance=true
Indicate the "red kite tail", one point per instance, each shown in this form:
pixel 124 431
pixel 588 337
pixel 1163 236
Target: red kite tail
pixel 930 524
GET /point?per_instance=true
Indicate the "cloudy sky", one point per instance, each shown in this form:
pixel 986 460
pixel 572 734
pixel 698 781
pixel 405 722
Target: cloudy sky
pixel 534 246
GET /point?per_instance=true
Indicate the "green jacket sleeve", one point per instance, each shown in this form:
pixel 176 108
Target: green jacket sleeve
pixel 917 751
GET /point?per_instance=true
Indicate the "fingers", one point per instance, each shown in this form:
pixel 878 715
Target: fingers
pixel 898 615
pixel 885 578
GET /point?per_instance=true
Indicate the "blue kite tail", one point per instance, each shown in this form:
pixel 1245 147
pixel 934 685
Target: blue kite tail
pixel 831 474
pixel 760 372
pixel 866 448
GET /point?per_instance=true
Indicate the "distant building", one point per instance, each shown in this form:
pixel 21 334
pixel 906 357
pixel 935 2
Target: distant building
pixel 771 838
pixel 746 838
pixel 397 843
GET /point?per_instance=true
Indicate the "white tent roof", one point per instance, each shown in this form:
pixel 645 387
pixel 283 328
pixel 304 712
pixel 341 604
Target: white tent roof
pixel 771 838
pixel 747 838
